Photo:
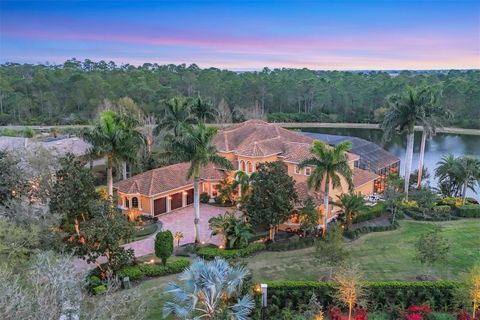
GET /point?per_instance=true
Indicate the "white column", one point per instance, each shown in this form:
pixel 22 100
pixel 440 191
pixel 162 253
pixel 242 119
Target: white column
pixel 169 203
pixel 184 198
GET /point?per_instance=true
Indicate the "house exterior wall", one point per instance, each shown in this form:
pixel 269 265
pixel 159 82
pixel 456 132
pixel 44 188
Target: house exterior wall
pixel 366 189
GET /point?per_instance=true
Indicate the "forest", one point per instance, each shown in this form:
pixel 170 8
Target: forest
pixel 75 91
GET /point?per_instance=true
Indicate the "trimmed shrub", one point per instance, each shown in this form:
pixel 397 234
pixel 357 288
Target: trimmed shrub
pixel 204 197
pixel 210 252
pixel 370 213
pixel 164 245
pixel 138 272
pixel 468 211
pixel 100 289
pixel 354 234
pixel 383 295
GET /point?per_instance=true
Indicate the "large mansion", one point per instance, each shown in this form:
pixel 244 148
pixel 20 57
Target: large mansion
pixel 246 144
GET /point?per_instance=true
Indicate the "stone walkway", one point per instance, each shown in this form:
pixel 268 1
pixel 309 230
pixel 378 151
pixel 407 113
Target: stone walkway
pixel 179 220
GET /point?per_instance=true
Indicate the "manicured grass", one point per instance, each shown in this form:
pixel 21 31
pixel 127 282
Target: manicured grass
pixel 382 256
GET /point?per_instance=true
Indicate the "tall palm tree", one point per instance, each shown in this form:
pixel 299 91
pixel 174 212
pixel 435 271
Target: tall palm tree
pixel 210 290
pixel 435 114
pixel 404 112
pixel 242 181
pixel 115 138
pixel 352 204
pixel 330 164
pixel 194 144
pixel 202 110
pixel 177 116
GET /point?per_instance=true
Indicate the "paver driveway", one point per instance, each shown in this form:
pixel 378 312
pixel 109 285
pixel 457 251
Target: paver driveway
pixel 179 220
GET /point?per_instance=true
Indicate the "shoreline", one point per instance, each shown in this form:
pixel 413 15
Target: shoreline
pixel 290 125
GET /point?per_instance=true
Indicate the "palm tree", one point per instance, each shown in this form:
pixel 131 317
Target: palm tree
pixel 457 175
pixel 209 290
pixel 177 116
pixel 234 232
pixel 352 204
pixel 202 110
pixel 115 138
pixel 330 165
pixel 446 173
pixel 194 144
pixel 434 116
pixel 242 180
pixel 404 112
pixel 468 174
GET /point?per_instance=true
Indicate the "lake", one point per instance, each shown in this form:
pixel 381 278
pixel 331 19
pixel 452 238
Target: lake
pixel 439 145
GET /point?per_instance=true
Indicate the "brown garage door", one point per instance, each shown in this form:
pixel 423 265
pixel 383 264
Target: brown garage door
pixel 160 206
pixel 176 200
pixel 189 196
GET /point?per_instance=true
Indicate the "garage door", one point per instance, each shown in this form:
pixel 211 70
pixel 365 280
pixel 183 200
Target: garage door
pixel 176 200
pixel 190 196
pixel 160 206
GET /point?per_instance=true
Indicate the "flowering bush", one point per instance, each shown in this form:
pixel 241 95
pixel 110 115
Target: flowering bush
pixel 415 312
pixel 465 315
pixel 358 314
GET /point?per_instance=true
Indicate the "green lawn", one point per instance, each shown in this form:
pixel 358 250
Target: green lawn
pixel 382 256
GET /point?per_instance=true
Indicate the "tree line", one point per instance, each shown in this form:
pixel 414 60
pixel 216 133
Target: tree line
pixel 73 92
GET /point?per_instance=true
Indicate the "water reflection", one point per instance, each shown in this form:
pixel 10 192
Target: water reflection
pixel 435 148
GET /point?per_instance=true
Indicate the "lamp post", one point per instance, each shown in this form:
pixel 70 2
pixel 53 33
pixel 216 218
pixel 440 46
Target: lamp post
pixel 263 288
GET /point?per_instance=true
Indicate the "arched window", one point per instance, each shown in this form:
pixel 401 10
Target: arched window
pixel 249 167
pixel 134 202
pixel 242 165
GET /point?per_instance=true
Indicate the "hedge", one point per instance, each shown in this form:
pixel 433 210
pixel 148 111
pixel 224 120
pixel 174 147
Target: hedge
pixel 468 211
pixel 354 234
pixel 371 213
pixel 382 295
pixel 140 271
pixel 210 253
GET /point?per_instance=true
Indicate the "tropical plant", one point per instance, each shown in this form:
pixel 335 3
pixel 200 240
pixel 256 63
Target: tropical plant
pixel 209 290
pixel 164 245
pixel 177 116
pixel 404 112
pixel 350 287
pixel 435 115
pixel 272 197
pixel 235 232
pixel 456 175
pixel 202 110
pixel 242 180
pixel 178 237
pixel 115 138
pixel 352 204
pixel 330 165
pixel 195 145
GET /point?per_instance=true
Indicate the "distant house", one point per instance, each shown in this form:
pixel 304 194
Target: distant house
pixel 57 146
pixel 246 145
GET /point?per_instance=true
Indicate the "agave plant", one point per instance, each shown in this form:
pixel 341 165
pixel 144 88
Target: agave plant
pixel 209 290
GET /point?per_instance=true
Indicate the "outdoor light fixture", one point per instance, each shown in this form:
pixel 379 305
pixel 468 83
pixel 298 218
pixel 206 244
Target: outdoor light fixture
pixel 185 193
pixel 263 288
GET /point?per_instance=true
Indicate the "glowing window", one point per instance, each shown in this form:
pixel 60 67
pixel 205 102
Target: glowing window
pixel 242 165
pixel 249 167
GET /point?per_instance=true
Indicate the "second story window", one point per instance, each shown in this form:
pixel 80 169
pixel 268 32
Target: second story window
pixel 135 202
pixel 297 170
pixel 308 171
pixel 249 167
pixel 127 203
pixel 242 165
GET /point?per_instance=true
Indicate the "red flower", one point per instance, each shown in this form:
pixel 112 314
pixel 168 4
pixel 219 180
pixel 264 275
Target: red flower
pixel 463 315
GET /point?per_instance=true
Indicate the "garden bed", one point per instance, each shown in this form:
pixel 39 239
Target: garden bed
pixel 146 230
pixel 210 252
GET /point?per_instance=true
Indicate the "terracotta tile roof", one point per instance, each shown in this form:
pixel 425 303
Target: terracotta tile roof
pixel 166 178
pixel 256 138
pixel 304 192
pixel 361 176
